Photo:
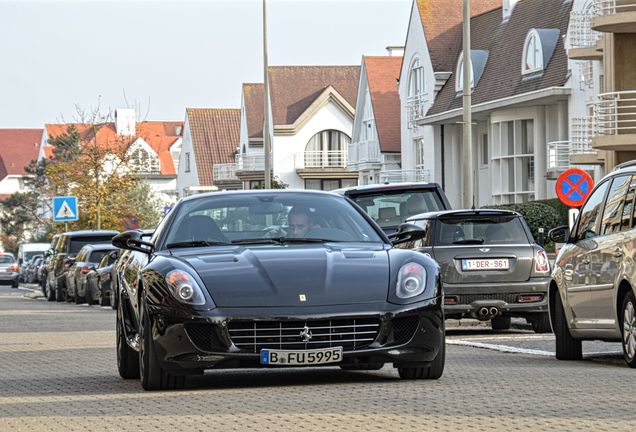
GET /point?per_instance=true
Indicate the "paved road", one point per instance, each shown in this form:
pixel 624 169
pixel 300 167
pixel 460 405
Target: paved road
pixel 58 373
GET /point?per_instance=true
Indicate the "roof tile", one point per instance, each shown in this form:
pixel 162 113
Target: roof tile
pixel 18 147
pixel 382 75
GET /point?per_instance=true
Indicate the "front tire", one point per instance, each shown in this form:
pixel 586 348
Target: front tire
pixel 152 375
pixel 628 326
pixel 434 371
pixel 127 358
pixel 567 347
pixel 15 284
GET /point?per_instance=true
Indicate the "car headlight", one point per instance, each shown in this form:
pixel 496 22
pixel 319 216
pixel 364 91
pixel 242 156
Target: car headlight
pixel 411 281
pixel 184 288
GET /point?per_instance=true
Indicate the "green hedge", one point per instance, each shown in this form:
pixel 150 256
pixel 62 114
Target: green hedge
pixel 545 214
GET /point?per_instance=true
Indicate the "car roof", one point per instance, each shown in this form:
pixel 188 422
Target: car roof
pixel 260 192
pixel 379 187
pixel 463 212
pixel 89 232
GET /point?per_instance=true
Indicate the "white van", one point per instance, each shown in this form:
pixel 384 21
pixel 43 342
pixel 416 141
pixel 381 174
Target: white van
pixel 28 250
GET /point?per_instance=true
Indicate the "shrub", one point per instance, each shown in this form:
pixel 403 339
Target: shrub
pixel 537 215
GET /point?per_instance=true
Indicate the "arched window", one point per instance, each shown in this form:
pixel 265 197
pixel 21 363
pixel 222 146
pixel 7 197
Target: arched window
pixel 327 148
pixel 142 161
pixel 459 74
pixel 416 79
pixel 532 53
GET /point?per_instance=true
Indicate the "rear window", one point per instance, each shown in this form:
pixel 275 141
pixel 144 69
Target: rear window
pixel 6 259
pixel 96 256
pixel 28 255
pixel 389 209
pixel 480 230
pixel 76 243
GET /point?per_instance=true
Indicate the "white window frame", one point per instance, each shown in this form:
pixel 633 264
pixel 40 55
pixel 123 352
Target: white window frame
pixel 459 74
pixel 533 42
pixel 416 83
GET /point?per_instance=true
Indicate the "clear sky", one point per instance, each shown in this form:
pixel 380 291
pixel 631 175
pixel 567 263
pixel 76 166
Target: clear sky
pixel 164 56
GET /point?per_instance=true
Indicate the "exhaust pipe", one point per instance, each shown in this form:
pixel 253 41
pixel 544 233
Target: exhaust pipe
pixel 483 312
pixel 494 311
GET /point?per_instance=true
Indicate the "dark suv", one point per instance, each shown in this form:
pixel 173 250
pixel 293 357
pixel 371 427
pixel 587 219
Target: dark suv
pixel 67 247
pixel 393 203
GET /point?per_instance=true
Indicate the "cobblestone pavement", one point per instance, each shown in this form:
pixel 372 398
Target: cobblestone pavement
pixel 58 373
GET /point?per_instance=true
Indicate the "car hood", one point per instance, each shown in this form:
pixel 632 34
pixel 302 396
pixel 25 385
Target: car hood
pixel 271 276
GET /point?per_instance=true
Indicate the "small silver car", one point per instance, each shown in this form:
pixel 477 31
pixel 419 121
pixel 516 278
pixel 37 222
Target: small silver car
pixel 491 267
pixel 592 289
pixel 9 269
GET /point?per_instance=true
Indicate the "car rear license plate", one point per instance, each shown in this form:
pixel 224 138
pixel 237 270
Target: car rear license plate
pixel 298 358
pixel 485 264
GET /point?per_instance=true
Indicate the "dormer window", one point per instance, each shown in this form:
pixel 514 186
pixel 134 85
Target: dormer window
pixel 416 79
pixel 478 58
pixel 537 50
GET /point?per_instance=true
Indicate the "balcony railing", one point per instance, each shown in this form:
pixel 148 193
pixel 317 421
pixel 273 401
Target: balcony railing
pixel 415 175
pixel 250 162
pixel 615 113
pixel 581 33
pixel 610 7
pixel 322 159
pixel 224 172
pixel 558 155
pixel 416 108
pixel 581 135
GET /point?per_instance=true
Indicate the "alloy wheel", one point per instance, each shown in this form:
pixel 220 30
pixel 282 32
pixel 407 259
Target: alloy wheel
pixel 629 330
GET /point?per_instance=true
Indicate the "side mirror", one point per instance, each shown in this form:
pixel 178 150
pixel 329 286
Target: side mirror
pixel 131 240
pixel 559 234
pixel 407 232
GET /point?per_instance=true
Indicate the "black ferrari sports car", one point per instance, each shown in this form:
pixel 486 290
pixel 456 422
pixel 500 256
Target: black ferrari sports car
pixel 275 278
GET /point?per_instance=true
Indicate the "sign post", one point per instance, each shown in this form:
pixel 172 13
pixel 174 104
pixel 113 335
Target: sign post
pixel 573 188
pixel 65 209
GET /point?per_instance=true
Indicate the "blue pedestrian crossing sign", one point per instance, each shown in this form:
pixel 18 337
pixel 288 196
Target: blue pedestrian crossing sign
pixel 65 209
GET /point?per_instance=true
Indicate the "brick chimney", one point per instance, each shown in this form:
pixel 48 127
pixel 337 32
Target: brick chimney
pixel 125 122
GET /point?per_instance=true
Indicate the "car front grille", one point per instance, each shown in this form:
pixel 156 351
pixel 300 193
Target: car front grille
pixel 404 328
pixel 349 333
pixel 203 336
pixel 469 298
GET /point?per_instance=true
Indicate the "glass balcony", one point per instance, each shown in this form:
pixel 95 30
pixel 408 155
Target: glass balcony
pixel 395 176
pixel 224 172
pixel 321 159
pixel 614 16
pixel 250 162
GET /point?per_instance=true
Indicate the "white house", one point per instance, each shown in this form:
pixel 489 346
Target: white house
pixel 312 111
pixel 374 151
pixel 527 99
pixel 210 143
pixel 18 147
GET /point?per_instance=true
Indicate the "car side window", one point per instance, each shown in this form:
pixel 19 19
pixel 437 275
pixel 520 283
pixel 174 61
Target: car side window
pixel 628 206
pixel 590 217
pixel 612 215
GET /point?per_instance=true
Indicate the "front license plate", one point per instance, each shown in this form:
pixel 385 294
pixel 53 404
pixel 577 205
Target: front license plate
pixel 305 357
pixel 485 264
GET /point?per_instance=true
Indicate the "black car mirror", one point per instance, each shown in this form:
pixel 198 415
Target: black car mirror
pixel 559 234
pixel 407 232
pixel 131 240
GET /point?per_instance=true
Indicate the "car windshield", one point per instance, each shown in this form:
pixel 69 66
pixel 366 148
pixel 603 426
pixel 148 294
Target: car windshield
pixel 6 259
pixel 390 209
pixel 480 230
pixel 268 218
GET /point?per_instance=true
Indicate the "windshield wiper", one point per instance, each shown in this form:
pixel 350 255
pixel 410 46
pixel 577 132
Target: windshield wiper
pixel 469 241
pixel 279 240
pixel 195 243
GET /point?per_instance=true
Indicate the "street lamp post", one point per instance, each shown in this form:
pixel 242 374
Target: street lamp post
pixel 467 147
pixel 267 144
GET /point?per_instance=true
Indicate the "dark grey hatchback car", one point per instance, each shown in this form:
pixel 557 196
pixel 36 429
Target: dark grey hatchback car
pixel 491 267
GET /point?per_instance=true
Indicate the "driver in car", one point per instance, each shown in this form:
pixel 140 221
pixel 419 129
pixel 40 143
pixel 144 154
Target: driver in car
pixel 300 222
